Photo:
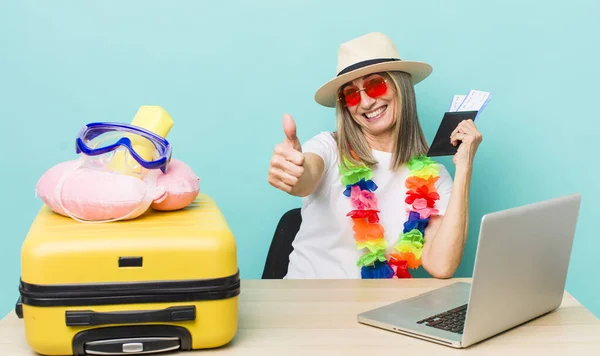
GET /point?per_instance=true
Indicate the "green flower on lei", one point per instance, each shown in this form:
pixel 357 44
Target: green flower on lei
pixel 423 167
pixel 354 173
pixel 370 258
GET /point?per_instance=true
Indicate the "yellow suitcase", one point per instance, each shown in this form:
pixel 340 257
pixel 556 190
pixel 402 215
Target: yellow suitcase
pixel 164 281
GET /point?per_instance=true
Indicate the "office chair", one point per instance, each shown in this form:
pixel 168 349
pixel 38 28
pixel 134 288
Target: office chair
pixel 276 265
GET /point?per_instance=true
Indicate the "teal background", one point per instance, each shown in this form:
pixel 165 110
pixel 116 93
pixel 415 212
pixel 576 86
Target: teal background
pixel 227 71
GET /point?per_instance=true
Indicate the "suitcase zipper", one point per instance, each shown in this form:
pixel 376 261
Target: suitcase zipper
pixel 127 293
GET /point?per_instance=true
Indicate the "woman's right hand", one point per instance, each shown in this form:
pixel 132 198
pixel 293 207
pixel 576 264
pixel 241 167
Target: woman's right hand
pixel 287 162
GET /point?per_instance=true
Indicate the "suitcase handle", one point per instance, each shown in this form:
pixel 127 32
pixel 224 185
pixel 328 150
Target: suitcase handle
pixel 90 317
pixel 85 342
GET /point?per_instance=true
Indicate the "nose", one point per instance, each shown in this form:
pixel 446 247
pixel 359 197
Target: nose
pixel 365 100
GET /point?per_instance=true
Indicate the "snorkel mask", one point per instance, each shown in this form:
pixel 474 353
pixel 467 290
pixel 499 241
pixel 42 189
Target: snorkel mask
pixel 125 148
pixel 116 172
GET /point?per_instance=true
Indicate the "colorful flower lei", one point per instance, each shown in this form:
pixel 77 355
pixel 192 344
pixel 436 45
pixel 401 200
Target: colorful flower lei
pixel 369 235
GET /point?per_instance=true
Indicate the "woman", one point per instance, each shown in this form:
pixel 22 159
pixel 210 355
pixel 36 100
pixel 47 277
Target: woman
pixel 374 206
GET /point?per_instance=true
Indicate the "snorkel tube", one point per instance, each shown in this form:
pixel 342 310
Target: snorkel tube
pixel 152 118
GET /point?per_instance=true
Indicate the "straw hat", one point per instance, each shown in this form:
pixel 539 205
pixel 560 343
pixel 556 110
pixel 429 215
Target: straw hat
pixel 370 53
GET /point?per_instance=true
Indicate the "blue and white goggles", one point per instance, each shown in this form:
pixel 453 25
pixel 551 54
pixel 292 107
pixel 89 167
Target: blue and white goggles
pixel 144 147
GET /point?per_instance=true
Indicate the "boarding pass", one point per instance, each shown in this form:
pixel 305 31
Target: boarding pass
pixel 475 100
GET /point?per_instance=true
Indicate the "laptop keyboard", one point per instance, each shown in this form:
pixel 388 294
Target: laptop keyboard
pixel 452 320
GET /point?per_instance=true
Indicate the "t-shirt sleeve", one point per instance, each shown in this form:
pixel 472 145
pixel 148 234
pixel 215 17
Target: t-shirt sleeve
pixel 444 189
pixel 323 144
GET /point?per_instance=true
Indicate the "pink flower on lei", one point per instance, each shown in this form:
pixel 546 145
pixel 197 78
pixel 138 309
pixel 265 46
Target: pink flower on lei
pixel 420 206
pixel 363 199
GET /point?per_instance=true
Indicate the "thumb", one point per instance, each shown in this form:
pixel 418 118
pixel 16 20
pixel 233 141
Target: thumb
pixel 289 128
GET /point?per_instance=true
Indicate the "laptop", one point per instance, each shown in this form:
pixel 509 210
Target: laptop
pixel 520 273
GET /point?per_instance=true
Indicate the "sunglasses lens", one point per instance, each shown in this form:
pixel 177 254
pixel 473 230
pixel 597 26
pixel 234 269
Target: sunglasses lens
pixel 375 87
pixel 351 96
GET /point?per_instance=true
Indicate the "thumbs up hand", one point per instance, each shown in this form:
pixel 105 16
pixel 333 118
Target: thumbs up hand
pixel 289 128
pixel 287 162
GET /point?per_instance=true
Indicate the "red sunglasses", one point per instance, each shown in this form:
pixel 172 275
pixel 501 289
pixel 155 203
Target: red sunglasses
pixel 374 87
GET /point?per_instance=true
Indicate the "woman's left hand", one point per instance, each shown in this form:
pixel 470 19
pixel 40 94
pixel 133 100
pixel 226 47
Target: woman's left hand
pixel 467 133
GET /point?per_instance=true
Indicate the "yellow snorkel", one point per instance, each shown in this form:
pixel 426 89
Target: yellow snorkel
pixel 152 118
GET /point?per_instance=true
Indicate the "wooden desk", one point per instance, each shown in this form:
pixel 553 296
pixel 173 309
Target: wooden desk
pixel 318 317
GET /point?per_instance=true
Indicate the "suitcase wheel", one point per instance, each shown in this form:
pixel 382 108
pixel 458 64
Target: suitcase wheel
pixel 19 308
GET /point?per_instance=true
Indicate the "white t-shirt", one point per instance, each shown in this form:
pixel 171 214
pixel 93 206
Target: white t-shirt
pixel 324 246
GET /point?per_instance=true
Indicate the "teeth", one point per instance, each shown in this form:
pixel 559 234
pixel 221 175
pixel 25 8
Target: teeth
pixel 372 114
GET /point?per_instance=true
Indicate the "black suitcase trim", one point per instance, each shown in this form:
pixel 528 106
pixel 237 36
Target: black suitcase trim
pixel 130 293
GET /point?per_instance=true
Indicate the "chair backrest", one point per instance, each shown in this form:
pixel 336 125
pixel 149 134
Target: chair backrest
pixel 276 265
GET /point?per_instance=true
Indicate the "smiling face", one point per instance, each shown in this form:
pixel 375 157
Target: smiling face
pixel 383 118
pixel 372 102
